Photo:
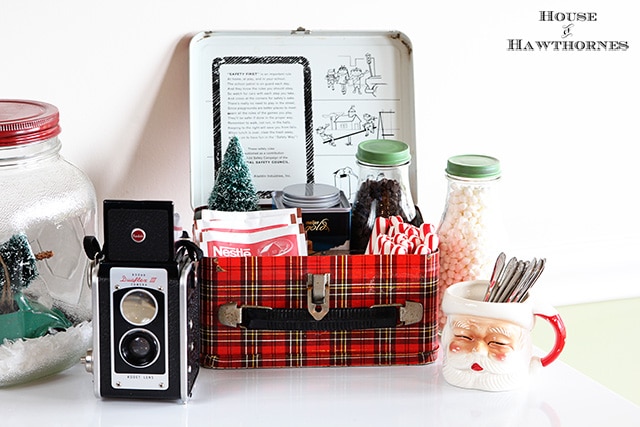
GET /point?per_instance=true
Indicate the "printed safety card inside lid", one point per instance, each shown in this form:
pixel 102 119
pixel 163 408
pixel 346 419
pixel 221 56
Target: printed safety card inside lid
pixel 299 103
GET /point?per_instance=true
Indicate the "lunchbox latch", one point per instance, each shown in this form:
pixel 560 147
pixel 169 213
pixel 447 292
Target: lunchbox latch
pixel 318 295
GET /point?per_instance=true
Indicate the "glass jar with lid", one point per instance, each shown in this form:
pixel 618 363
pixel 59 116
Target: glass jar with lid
pixel 471 230
pixel 48 206
pixel 325 212
pixel 383 188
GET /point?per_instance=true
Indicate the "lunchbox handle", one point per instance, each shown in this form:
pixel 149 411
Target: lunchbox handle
pixel 337 319
pixel 318 316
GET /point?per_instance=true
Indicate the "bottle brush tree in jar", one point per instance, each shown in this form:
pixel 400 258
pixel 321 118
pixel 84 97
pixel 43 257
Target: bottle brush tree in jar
pixel 20 317
pixel 18 269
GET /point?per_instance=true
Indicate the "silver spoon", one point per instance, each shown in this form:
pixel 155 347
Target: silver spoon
pixel 526 277
pixel 504 277
pixel 525 289
pixel 497 269
pixel 508 287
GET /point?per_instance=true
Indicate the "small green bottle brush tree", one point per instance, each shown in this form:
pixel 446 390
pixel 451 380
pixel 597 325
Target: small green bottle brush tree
pixel 17 269
pixel 233 190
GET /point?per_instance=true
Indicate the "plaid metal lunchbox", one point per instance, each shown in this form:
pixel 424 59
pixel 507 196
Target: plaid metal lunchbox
pixel 300 102
pixel 342 310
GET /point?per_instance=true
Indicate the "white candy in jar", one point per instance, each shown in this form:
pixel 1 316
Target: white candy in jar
pixel 471 231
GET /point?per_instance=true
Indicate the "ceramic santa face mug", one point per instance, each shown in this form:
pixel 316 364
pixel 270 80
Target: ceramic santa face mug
pixel 487 345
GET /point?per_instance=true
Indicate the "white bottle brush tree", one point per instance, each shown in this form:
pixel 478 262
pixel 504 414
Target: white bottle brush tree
pixel 233 190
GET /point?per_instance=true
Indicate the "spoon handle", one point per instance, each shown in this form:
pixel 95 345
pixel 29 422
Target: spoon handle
pixel 507 288
pixel 523 293
pixel 497 270
pixel 503 278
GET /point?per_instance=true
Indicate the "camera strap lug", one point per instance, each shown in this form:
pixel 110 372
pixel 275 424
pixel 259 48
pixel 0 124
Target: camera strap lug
pixel 187 248
pixel 92 248
pixel 94 253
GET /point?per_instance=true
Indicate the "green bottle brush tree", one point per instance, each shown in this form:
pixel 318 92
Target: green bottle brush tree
pixel 233 190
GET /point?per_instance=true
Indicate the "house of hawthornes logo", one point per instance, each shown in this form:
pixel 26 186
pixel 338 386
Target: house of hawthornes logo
pixel 568 40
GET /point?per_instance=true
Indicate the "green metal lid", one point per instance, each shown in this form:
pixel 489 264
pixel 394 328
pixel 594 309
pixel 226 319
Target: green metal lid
pixel 473 166
pixel 386 152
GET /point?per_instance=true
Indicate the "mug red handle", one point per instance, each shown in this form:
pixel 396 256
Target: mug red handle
pixel 561 335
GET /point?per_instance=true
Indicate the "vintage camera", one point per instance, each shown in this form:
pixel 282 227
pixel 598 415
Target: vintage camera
pixel 146 335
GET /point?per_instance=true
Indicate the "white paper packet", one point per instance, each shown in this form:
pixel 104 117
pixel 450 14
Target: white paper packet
pixel 289 240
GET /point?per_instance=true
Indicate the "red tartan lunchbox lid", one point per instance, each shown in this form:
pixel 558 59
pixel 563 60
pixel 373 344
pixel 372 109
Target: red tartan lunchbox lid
pixel 299 103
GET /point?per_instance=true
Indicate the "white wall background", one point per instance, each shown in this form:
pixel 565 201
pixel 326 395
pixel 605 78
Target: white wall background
pixel 564 124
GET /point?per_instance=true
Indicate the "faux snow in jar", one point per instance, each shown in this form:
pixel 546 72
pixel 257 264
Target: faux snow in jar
pixel 471 230
pixel 48 206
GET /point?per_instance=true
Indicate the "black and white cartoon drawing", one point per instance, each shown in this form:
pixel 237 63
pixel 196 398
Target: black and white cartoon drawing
pixel 360 75
pixel 332 78
pixel 359 102
pixel 342 78
pixel 327 138
pixel 368 124
pixel 346 125
pixel 356 80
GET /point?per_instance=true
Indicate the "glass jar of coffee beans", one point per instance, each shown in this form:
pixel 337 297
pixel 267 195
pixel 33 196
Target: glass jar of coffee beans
pixel 383 188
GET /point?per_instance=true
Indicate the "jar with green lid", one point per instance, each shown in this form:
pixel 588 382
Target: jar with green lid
pixel 383 188
pixel 48 206
pixel 471 230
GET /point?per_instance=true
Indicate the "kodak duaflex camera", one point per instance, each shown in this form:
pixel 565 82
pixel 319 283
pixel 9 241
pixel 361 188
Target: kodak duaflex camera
pixel 146 338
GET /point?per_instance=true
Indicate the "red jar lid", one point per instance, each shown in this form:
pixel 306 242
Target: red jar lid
pixel 23 121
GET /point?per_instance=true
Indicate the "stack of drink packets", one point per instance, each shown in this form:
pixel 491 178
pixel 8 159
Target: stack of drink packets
pixel 277 232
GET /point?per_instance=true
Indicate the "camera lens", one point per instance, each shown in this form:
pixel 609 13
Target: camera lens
pixel 139 348
pixel 139 307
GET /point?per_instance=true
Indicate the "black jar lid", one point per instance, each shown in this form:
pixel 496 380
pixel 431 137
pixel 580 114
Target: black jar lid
pixel 24 121
pixel 310 195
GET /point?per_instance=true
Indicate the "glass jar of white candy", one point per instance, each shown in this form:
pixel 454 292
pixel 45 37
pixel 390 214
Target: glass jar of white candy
pixel 471 230
pixel 48 206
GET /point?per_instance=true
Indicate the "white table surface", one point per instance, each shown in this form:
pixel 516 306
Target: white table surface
pixel 368 396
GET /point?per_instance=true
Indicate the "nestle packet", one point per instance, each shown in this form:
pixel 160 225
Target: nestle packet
pixel 288 240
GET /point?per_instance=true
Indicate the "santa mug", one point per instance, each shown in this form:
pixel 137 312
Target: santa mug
pixel 488 345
